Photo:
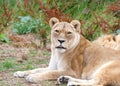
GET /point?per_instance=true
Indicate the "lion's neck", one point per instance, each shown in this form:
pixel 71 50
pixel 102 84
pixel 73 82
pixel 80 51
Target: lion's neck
pixel 83 44
pixel 77 55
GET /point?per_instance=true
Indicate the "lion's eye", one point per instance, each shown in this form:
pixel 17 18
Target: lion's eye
pixel 57 31
pixel 69 32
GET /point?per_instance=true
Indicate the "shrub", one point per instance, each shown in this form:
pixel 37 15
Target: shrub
pixel 26 25
pixel 4 38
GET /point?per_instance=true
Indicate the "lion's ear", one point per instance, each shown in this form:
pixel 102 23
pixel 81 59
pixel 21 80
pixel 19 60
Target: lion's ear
pixel 76 24
pixel 53 21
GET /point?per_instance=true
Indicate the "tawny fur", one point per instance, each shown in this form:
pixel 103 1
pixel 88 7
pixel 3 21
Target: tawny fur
pixel 109 41
pixel 75 56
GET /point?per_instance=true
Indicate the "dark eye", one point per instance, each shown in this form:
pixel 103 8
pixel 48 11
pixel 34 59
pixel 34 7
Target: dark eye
pixel 57 31
pixel 69 32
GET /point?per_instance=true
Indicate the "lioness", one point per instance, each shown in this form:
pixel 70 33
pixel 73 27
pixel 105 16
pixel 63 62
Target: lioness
pixel 75 56
pixel 109 41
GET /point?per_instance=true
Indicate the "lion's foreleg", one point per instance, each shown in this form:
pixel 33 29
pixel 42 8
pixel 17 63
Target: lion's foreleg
pixel 78 82
pixel 74 81
pixel 26 73
pixel 81 84
pixel 48 75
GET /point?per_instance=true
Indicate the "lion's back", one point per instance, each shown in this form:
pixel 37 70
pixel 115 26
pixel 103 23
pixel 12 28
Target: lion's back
pixel 109 41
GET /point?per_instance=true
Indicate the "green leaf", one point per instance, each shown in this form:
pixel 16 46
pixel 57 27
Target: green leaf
pixel 4 38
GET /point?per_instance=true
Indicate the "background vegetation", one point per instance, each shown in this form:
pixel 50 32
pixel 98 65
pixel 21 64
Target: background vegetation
pixel 32 16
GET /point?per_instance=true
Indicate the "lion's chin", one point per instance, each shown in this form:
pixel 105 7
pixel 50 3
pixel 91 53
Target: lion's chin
pixel 61 49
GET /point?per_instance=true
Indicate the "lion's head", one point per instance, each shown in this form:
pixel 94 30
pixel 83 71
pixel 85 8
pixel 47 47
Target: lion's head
pixel 64 35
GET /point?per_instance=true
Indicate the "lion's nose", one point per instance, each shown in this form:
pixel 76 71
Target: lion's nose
pixel 61 41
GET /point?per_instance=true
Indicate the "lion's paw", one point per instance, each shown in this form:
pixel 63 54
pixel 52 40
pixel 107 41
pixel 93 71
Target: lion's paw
pixel 20 74
pixel 63 79
pixel 31 78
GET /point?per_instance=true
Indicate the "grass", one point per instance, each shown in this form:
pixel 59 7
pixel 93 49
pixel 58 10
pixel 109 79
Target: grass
pixel 9 65
pixel 33 53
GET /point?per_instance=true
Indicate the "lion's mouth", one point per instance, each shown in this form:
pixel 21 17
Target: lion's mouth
pixel 60 47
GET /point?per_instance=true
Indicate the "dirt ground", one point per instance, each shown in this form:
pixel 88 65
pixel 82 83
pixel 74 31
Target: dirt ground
pixel 24 52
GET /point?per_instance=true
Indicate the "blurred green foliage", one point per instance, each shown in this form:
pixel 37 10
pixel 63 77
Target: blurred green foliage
pixel 26 25
pixel 8 64
pixel 4 38
pixel 92 14
pixel 28 16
